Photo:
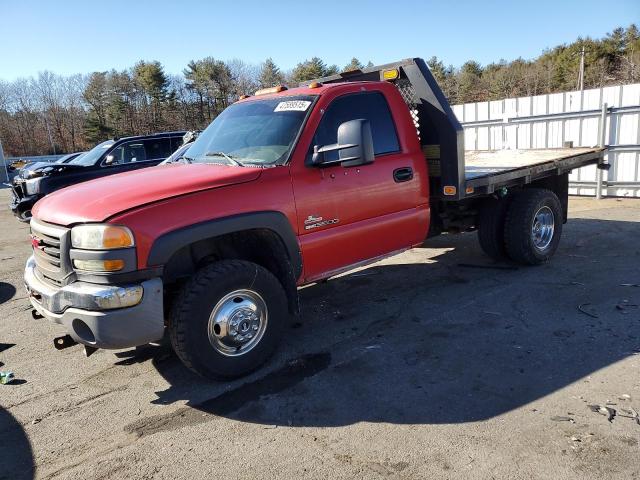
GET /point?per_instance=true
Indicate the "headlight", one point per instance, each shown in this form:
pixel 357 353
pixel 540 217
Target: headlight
pixel 101 237
pixel 32 186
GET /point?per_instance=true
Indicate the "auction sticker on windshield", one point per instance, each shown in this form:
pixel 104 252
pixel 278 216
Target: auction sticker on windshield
pixel 292 106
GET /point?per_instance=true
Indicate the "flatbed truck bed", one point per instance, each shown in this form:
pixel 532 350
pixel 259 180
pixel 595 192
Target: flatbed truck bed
pixel 485 171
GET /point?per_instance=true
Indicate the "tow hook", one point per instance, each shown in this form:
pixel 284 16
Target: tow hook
pixel 36 315
pixel 88 350
pixel 64 342
pixel 67 341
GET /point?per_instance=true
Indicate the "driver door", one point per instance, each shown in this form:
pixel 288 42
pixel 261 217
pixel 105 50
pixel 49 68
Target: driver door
pixel 347 215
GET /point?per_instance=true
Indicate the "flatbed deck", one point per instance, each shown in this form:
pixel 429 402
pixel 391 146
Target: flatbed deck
pixel 487 170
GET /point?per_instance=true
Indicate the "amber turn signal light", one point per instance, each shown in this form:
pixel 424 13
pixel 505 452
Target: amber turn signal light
pixel 390 74
pixel 266 91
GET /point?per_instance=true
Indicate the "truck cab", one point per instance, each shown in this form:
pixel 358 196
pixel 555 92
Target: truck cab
pixel 286 187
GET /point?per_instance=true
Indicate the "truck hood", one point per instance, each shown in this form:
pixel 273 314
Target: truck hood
pixel 25 172
pixel 45 169
pixel 99 199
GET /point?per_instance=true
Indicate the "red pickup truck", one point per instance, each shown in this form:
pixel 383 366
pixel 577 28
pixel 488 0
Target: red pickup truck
pixel 284 188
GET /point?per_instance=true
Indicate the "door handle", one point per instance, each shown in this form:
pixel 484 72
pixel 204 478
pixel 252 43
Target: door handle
pixel 403 174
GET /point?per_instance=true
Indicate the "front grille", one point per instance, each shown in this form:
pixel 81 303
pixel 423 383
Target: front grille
pixel 51 252
pixel 18 189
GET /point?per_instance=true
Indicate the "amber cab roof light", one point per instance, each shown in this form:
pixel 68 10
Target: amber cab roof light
pixel 276 89
pixel 391 74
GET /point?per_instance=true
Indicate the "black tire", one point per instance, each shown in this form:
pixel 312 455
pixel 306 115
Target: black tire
pixel 518 233
pixel 491 218
pixel 25 217
pixel 189 321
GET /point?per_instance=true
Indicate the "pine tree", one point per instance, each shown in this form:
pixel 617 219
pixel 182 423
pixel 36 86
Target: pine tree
pixel 95 130
pixel 96 94
pixel 310 69
pixel 149 77
pixel 270 74
pixel 354 64
pixel 212 81
pixel 469 82
pixel 437 69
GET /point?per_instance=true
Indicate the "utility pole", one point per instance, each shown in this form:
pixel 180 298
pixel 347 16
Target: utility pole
pixel 581 73
pixel 4 162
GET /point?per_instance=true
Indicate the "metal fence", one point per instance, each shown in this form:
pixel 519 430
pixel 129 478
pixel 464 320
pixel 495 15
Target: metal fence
pixel 548 121
pixel 6 176
pixel 39 158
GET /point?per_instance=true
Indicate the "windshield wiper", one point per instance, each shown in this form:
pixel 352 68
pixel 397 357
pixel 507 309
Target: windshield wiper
pixel 228 157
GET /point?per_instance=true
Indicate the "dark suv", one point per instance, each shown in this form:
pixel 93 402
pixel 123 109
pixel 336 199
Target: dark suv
pixel 109 157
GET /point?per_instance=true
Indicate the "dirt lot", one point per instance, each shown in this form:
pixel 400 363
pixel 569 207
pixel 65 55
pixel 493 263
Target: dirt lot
pixel 421 366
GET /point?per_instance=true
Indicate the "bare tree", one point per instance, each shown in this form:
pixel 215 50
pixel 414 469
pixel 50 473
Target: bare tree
pixel 245 77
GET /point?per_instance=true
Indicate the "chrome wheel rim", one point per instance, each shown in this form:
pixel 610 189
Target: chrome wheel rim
pixel 542 228
pixel 237 323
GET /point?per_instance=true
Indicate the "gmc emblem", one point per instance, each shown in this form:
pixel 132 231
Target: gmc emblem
pixel 36 242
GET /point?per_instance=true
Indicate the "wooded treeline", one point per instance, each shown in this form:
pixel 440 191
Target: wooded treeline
pixel 52 113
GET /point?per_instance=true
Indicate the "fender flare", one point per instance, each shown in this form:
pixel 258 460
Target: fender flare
pixel 169 243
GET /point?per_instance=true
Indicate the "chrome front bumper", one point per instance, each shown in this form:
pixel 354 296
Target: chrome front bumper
pixel 88 296
pixel 104 316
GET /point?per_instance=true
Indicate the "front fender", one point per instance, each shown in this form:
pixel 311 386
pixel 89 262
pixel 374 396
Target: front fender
pixel 169 243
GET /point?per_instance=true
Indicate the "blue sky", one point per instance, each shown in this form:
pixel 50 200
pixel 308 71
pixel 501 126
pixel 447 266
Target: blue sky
pixel 74 36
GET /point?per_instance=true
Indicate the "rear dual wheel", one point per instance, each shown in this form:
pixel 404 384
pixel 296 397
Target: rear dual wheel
pixel 526 228
pixel 533 226
pixel 491 218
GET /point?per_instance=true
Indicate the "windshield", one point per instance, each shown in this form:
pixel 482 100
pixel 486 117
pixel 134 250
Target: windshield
pixel 257 132
pixel 66 158
pixel 76 160
pixel 93 155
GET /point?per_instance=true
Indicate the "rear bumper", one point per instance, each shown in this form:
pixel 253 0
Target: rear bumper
pixel 86 310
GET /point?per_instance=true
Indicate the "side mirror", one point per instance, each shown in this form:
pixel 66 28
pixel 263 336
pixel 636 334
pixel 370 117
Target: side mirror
pixel 355 145
pixel 109 160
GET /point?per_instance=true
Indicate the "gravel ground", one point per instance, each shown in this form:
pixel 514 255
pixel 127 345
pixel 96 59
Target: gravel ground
pixel 420 366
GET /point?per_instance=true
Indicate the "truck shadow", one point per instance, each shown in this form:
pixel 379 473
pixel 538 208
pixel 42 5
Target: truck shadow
pixel 7 292
pixel 17 456
pixel 438 342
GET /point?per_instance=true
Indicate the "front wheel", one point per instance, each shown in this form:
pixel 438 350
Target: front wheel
pixel 25 217
pixel 533 226
pixel 228 319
